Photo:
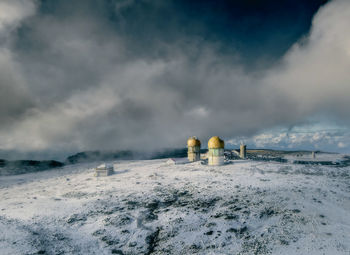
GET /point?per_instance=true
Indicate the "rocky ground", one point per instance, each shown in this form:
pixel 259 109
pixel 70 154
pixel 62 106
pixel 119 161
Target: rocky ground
pixel 151 207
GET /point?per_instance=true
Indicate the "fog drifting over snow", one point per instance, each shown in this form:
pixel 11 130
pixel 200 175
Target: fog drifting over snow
pixel 74 82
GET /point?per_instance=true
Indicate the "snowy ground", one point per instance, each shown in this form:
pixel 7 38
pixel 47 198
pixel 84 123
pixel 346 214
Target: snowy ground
pixel 150 207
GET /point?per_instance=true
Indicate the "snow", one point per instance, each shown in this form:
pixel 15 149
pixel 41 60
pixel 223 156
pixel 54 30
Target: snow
pixel 105 166
pixel 151 207
pixel 178 161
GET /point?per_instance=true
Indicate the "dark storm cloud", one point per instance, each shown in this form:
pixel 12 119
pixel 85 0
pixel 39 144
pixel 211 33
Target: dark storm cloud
pixel 128 74
pixel 14 97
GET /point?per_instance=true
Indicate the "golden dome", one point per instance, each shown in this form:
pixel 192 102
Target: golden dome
pixel 193 141
pixel 215 143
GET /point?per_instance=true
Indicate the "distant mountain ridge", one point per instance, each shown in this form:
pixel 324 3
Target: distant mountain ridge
pixel 14 167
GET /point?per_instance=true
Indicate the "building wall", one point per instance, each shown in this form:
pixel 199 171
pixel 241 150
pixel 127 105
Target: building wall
pixel 103 172
pixel 215 161
pixel 216 157
pixel 193 153
pixel 243 151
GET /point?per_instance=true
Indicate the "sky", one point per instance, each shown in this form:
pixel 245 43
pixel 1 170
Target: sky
pixel 147 74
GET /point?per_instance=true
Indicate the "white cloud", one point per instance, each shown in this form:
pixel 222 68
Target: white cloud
pixel 314 74
pixel 14 11
pixel 85 73
pixel 334 139
pixel 342 145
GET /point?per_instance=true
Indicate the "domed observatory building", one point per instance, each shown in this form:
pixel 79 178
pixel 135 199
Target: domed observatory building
pixel 216 151
pixel 194 149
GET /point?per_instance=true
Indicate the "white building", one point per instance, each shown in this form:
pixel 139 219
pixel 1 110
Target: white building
pixel 104 170
pixel 177 161
pixel 215 151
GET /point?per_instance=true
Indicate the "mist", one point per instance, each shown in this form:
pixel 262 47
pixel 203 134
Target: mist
pixel 73 78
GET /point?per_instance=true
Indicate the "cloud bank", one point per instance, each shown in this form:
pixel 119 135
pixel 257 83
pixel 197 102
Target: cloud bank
pixel 311 136
pixel 72 80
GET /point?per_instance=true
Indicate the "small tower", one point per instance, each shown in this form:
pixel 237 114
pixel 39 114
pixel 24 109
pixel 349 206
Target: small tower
pixel 313 155
pixel 243 151
pixel 194 149
pixel 216 151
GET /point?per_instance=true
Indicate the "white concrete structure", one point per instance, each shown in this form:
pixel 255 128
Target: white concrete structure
pixel 104 170
pixel 177 161
pixel 243 151
pixel 194 149
pixel 215 151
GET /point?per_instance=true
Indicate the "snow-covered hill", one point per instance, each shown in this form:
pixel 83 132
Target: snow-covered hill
pixel 151 207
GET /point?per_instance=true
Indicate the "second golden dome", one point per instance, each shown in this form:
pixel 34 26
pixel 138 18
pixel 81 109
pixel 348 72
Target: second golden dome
pixel 216 143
